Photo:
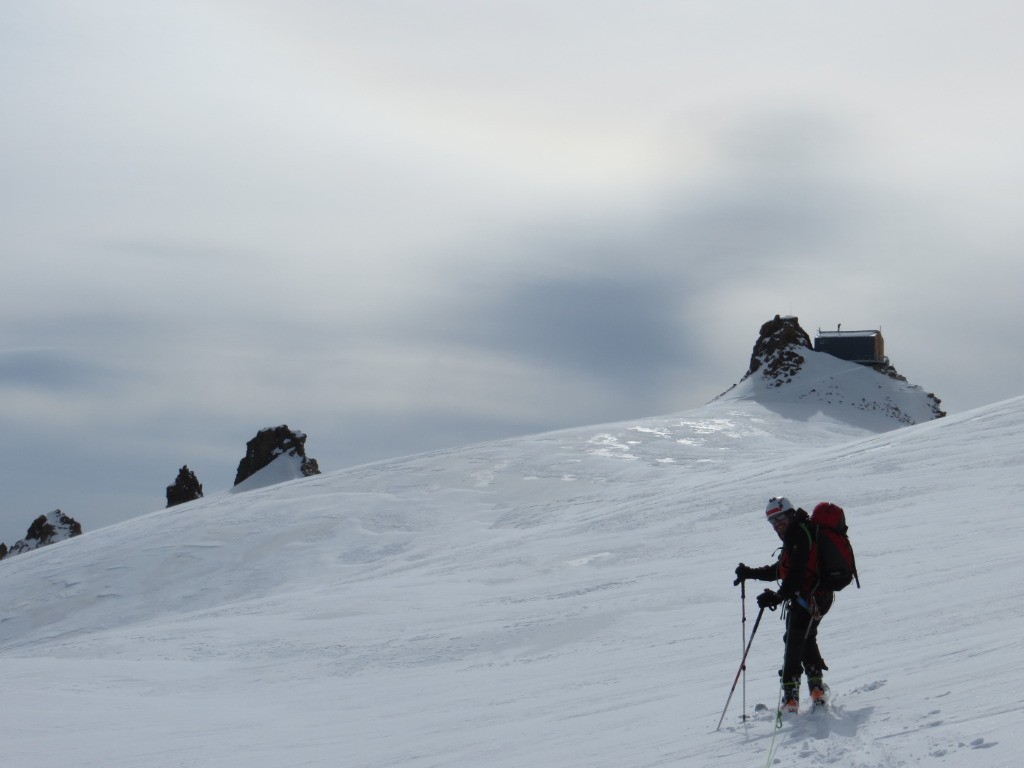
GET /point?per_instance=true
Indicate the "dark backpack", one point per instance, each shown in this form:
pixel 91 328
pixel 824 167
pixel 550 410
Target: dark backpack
pixel 836 564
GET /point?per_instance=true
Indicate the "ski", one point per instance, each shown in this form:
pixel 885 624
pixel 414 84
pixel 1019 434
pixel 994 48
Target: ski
pixel 764 711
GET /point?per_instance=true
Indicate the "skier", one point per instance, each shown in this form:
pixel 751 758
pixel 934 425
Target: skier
pixel 805 601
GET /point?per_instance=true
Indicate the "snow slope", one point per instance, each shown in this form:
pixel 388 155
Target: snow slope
pixel 562 599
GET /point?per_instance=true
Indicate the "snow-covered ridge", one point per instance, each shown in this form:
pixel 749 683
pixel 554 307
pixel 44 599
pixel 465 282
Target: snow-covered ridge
pixel 46 529
pixel 558 599
pixel 786 373
pixel 846 391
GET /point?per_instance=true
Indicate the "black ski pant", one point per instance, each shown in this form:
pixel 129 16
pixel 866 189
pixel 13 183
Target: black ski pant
pixel 801 640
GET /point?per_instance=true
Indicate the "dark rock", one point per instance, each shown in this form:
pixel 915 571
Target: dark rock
pixel 186 488
pixel 778 350
pixel 47 529
pixel 270 443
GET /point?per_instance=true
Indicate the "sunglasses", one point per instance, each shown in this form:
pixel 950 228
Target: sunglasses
pixel 779 518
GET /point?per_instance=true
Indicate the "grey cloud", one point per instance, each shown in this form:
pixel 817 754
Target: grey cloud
pixel 48 369
pixel 621 327
pixel 632 284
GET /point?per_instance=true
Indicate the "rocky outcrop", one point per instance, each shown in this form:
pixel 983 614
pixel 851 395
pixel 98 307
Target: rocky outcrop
pixel 787 372
pixel 186 488
pixel 45 529
pixel 270 443
pixel 778 350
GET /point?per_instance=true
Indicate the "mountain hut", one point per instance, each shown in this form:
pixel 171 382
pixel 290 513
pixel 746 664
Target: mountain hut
pixel 865 347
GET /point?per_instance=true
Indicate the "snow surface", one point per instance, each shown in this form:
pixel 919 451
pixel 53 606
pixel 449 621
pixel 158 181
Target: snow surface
pixel 562 599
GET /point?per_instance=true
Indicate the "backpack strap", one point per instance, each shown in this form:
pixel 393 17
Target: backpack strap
pixel 811 538
pixel 817 559
pixel 811 554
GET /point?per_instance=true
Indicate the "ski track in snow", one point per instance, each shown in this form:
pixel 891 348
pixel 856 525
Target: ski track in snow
pixel 561 600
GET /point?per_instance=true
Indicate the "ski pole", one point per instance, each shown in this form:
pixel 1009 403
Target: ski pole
pixel 743 665
pixel 743 626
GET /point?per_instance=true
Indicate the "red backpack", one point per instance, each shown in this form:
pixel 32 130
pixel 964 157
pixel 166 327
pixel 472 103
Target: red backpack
pixel 836 564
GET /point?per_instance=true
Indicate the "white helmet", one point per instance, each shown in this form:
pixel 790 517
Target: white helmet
pixel 778 505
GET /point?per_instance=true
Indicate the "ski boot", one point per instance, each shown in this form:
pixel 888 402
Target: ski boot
pixel 818 689
pixel 816 683
pixel 791 697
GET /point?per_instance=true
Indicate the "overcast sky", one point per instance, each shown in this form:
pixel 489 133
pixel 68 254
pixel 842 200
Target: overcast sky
pixel 406 225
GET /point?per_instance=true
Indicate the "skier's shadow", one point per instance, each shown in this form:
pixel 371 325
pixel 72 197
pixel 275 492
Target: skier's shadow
pixel 821 725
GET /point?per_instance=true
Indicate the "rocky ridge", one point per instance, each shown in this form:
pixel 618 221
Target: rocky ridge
pixel 785 363
pixel 45 529
pixel 268 445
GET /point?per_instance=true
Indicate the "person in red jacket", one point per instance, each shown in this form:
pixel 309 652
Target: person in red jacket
pixel 804 601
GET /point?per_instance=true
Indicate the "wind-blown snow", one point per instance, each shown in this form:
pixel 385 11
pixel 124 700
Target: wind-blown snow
pixel 562 599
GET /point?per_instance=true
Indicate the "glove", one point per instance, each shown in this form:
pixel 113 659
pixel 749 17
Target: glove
pixel 769 600
pixel 743 572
